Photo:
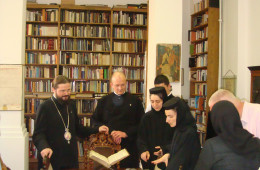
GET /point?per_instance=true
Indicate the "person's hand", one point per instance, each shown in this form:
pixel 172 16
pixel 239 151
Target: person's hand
pixel 103 128
pixel 47 152
pixel 158 153
pixel 145 156
pixel 164 159
pixel 118 135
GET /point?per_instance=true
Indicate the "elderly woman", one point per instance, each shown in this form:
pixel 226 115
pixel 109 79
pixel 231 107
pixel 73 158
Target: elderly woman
pixel 154 132
pixel 185 146
pixel 234 147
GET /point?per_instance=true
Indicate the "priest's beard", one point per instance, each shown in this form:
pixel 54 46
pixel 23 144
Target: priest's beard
pixel 63 101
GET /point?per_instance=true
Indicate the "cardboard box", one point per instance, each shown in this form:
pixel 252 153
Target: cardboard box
pixel 67 2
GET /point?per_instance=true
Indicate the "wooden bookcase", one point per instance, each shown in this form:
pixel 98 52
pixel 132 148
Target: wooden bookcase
pixel 255 84
pixel 86 44
pixel 204 61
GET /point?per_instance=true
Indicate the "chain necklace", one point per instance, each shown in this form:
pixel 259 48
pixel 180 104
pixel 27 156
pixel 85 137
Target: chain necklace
pixel 67 134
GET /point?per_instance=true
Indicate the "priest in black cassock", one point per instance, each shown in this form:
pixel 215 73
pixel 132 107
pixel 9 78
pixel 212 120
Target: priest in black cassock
pixel 153 130
pixel 57 125
pixel 121 112
pixel 185 148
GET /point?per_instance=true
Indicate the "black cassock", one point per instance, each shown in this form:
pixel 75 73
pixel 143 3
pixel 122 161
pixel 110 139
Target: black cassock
pixel 49 133
pixel 122 113
pixel 153 131
pixel 185 147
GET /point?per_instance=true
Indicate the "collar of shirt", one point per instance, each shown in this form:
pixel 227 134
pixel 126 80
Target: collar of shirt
pixel 118 94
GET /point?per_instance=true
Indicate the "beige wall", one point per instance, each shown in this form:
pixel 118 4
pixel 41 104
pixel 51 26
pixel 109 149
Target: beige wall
pixel 241 36
pixel 165 26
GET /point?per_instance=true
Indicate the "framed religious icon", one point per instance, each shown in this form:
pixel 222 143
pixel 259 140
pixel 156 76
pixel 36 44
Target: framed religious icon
pixel 168 61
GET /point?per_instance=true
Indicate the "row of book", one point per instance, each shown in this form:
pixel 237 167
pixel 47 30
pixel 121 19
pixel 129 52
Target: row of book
pixel 198 103
pixel 85 16
pixel 135 87
pixel 198 75
pixel 200 5
pixel 125 18
pixel 85 73
pixel 41 30
pixel 202 136
pixel 131 74
pixel 199 34
pixel 85 58
pixel 131 33
pixel 41 43
pixel 85 45
pixel 200 20
pixel 86 106
pixel 132 6
pixel 40 58
pixel 29 122
pixel 32 149
pixel 199 47
pixel 128 60
pixel 85 31
pixel 95 86
pixel 202 60
pixel 201 118
pixel 80 86
pixel 136 46
pixel 38 86
pixel 42 15
pixel 31 105
pixel 40 72
pixel 201 89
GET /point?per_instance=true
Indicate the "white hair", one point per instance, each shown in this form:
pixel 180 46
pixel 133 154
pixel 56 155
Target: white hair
pixel 222 94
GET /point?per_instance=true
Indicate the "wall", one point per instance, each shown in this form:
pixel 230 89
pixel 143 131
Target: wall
pixel 13 134
pixel 165 26
pixel 241 41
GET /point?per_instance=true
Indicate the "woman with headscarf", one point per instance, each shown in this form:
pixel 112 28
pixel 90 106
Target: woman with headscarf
pixel 234 147
pixel 154 131
pixel 185 146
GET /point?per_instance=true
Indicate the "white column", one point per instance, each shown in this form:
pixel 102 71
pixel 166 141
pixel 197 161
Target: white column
pixel 13 135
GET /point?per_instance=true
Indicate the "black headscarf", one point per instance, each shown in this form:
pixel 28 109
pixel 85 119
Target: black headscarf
pixel 184 117
pixel 227 124
pixel 159 91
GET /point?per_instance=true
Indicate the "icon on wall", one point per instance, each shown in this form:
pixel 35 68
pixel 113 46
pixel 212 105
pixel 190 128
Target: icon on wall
pixel 168 61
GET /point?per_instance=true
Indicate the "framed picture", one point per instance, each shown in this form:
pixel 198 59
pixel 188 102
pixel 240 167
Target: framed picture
pixel 168 61
pixel 229 81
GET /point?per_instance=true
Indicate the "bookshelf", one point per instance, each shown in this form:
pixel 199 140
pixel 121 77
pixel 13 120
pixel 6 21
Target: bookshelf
pixel 129 39
pixel 204 38
pixel 86 44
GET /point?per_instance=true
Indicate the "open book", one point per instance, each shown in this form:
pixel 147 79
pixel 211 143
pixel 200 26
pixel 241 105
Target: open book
pixel 111 160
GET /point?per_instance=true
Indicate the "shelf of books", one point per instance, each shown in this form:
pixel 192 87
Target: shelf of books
pixel 203 61
pixel 86 44
pixel 129 37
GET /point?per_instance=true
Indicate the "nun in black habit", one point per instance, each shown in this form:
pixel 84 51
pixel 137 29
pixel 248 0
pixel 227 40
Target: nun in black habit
pixel 234 147
pixel 185 146
pixel 153 130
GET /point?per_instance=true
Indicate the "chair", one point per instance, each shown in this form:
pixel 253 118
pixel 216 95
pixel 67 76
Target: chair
pixel 103 144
